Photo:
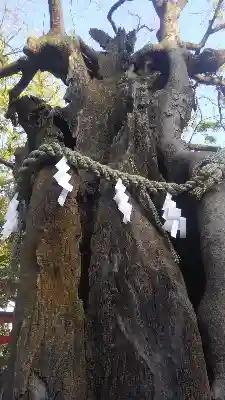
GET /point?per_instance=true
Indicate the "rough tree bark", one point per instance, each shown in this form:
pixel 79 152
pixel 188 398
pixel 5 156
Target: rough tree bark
pixel 102 310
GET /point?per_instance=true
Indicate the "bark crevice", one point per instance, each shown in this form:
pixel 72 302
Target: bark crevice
pixel 87 199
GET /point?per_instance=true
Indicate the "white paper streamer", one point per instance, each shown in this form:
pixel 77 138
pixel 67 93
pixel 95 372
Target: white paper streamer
pixel 173 220
pixel 11 218
pixel 62 177
pixel 121 199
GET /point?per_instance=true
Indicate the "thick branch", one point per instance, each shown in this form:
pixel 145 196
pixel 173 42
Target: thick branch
pixel 88 51
pixel 175 104
pixel 218 28
pixel 140 57
pixel 144 27
pixel 174 111
pixel 209 80
pixel 14 68
pixel 100 37
pixel 158 6
pixel 197 46
pixel 112 10
pixel 16 92
pixel 182 4
pixel 197 147
pixel 8 164
pixel 56 17
pixel 90 58
pixel 28 69
pixel 209 61
pixel 168 13
pixel 189 45
pixel 22 84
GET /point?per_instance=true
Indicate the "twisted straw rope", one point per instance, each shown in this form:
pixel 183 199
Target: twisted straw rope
pixel 206 174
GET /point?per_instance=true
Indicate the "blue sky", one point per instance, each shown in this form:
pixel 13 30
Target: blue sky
pixel 82 15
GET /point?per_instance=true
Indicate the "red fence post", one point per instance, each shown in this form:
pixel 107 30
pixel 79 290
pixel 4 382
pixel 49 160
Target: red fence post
pixel 6 317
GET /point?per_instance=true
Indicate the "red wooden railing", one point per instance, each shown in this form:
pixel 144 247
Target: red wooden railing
pixel 5 317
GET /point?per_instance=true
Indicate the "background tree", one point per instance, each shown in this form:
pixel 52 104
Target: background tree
pixel 102 310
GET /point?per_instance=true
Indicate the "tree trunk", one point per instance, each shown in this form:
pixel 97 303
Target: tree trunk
pixel 211 312
pixel 102 310
pixel 49 328
pixel 142 338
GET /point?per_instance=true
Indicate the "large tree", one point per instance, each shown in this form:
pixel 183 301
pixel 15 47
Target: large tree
pixel 104 309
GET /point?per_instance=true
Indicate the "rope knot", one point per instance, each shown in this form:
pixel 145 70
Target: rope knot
pixel 209 172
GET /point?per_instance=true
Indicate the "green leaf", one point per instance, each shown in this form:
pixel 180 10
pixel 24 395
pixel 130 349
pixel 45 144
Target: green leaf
pixel 206 125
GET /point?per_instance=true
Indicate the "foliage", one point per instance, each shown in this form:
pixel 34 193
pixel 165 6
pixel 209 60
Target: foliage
pixel 44 86
pixel 206 125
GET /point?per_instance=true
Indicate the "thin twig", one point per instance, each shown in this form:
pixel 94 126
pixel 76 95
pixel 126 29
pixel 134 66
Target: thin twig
pixel 144 27
pixel 209 100
pixel 3 16
pixel 198 124
pixel 12 53
pixel 139 26
pixel 219 96
pixel 138 18
pixel 209 30
pixel 10 38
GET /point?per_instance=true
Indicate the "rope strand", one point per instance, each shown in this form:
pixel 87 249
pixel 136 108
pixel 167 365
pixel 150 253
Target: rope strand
pixel 204 178
pixel 209 172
